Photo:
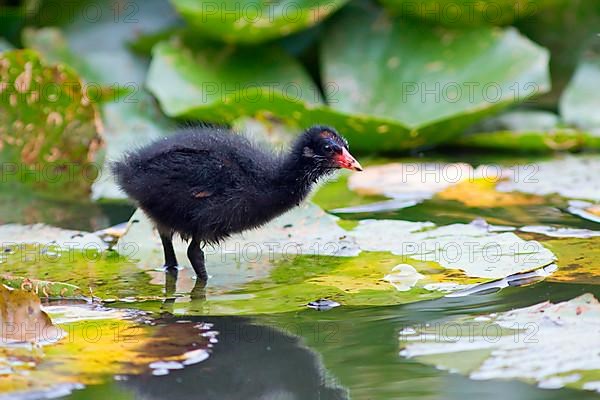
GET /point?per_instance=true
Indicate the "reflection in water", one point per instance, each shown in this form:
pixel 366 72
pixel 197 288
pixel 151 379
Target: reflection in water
pixel 249 361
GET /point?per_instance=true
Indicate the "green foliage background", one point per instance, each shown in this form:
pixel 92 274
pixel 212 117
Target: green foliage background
pixel 393 76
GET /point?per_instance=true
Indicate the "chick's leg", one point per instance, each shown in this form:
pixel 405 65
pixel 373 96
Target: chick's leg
pixel 196 256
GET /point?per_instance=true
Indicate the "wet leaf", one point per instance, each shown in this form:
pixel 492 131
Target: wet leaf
pixel 47 238
pixel 526 344
pixel 69 271
pixel 45 106
pixel 411 183
pixel 253 21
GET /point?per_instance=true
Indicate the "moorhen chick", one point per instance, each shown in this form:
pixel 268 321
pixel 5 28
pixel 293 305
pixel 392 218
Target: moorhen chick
pixel 208 183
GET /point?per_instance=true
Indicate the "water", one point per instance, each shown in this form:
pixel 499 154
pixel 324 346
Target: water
pixel 344 352
pixel 338 354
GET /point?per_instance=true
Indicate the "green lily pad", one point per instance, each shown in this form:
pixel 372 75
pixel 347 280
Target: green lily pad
pixel 545 344
pixel 527 131
pixel 453 13
pixel 254 21
pixel 40 107
pixel 374 110
pixel 188 81
pixel 462 76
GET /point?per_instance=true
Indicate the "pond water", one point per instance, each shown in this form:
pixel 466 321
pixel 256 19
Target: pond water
pixel 289 356
pixel 345 352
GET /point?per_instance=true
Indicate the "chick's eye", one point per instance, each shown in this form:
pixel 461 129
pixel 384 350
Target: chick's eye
pixel 328 148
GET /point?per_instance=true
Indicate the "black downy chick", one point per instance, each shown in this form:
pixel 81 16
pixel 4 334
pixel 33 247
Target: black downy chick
pixel 208 183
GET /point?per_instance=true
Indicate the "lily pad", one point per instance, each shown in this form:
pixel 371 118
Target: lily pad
pixel 411 183
pixel 571 177
pixel 44 105
pixel 189 83
pixel 470 248
pixel 254 21
pixel 424 65
pixel 362 101
pixel 526 344
pixel 463 13
pixel 527 131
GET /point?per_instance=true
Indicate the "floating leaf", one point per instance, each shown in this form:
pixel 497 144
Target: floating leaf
pixel 571 177
pixel 469 248
pixel 409 181
pixel 529 132
pixel 410 64
pixel 482 193
pixel 190 84
pixel 253 21
pixel 526 344
pixel 48 127
pixel 47 238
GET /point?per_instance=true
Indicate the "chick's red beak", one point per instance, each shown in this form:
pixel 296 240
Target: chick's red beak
pixel 345 160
